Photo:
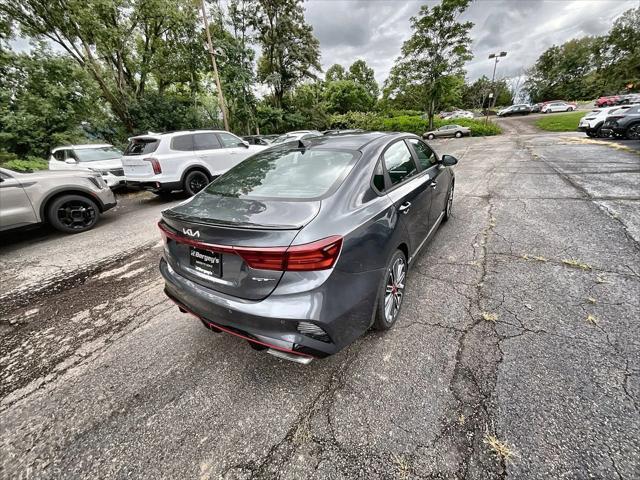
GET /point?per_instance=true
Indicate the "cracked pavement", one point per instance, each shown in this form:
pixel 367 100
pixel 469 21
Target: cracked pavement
pixel 520 326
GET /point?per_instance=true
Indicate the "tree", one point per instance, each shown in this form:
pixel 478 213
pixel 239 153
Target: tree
pixel 436 51
pixel 621 52
pixel 308 100
pixel 476 94
pixel 290 52
pixel 335 72
pixel 362 74
pixel 126 46
pixel 344 96
pixel 44 100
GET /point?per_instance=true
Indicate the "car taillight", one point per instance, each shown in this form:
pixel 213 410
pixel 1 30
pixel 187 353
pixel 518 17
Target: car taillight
pixel 318 255
pixel 157 169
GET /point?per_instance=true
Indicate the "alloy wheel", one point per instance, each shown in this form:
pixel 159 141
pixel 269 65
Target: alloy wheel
pixel 76 214
pixel 450 202
pixel 634 132
pixel 197 181
pixel 394 290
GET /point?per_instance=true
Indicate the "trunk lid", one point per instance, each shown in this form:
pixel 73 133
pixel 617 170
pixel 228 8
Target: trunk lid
pixel 223 222
pixel 133 160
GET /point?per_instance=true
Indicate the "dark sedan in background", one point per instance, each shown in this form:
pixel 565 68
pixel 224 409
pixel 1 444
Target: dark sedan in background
pixel 303 247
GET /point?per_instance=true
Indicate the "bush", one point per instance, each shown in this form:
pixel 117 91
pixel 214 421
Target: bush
pixel 26 165
pixel 408 123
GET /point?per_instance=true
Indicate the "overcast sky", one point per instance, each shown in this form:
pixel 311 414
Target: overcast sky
pixel 375 29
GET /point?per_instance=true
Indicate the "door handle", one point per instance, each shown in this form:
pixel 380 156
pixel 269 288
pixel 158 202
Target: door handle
pixel 404 208
pixel 433 184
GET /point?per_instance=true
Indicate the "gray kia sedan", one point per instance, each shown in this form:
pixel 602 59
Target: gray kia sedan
pixel 303 247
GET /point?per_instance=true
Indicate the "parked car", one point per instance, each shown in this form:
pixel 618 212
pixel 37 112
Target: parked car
pixel 255 255
pixel 186 160
pixel 624 123
pixel 257 140
pixel 297 135
pixel 103 158
pixel 562 106
pixel 607 101
pixel 536 107
pixel 593 121
pixel 71 201
pixel 454 114
pixel 521 109
pixel 629 99
pixel 447 131
pixel 343 132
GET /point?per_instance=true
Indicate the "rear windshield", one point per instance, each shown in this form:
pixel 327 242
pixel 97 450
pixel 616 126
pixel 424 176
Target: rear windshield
pixel 285 173
pixel 97 154
pixel 142 146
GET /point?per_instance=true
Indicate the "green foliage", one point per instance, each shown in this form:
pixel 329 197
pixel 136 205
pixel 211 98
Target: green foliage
pixel 126 47
pixel 290 51
pixel 432 57
pixel 476 94
pixel 585 68
pixel 344 96
pixel 29 164
pixel 362 74
pixel 335 72
pixel 407 123
pixel 560 122
pixel 44 99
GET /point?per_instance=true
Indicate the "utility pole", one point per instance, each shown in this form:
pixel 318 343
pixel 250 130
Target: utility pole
pixel 492 97
pixel 212 53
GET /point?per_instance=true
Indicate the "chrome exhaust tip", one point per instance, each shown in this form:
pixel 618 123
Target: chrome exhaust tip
pixel 290 356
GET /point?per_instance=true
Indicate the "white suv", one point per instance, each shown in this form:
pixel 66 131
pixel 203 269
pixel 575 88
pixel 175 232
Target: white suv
pixel 102 158
pixel 591 123
pixel 186 160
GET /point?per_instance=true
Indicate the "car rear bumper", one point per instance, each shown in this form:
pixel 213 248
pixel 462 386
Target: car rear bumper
pixel 273 321
pixel 155 186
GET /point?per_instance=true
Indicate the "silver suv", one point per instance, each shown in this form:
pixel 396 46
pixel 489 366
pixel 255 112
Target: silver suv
pixel 70 201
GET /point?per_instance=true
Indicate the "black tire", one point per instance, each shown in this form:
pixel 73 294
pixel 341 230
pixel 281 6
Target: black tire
pixel 633 132
pixel 73 213
pixel 382 322
pixel 195 181
pixel 591 133
pixel 448 206
pixel 431 136
pixel 458 134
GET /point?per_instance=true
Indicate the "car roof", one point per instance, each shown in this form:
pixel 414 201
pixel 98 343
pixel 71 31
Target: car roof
pixel 348 141
pixel 178 132
pixel 82 147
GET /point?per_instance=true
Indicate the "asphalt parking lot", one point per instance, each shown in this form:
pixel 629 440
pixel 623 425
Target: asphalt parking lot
pixel 517 353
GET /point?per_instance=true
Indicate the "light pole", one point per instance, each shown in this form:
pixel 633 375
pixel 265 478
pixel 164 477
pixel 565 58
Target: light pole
pixel 496 56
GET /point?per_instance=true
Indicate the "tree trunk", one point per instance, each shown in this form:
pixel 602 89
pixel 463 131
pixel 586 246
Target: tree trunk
pixel 431 113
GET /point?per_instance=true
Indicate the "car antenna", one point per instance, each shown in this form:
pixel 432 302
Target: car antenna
pixel 301 145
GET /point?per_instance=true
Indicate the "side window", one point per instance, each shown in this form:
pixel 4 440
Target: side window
pixel 229 140
pixel 183 143
pixel 5 176
pixel 205 141
pixel 399 163
pixel 59 155
pixel 378 177
pixel 426 157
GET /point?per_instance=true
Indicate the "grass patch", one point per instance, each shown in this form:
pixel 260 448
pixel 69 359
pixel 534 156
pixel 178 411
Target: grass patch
pixel 576 264
pixel 560 122
pixel 499 448
pixel 490 317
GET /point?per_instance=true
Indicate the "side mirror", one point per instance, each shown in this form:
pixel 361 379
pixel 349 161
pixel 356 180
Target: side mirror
pixel 449 160
pixel 244 144
pixel 71 161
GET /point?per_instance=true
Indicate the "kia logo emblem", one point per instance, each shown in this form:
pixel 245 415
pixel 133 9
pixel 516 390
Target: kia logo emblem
pixel 191 233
